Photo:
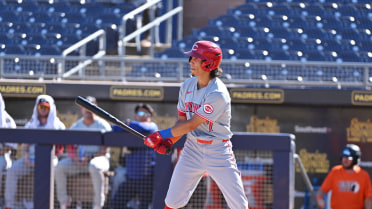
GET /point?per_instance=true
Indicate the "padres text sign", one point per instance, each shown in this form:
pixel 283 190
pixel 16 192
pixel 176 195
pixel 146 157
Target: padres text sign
pixel 361 97
pixel 246 95
pixel 22 90
pixel 137 93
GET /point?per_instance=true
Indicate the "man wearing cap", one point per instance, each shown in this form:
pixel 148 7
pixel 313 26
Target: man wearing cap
pixel 44 117
pixel 350 184
pixel 83 159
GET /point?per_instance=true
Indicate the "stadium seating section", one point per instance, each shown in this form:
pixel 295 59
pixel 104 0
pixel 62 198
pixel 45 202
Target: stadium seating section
pixel 43 27
pixel 287 30
pixel 293 30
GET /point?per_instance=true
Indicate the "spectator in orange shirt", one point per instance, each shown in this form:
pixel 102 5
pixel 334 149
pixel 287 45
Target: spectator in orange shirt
pixel 350 184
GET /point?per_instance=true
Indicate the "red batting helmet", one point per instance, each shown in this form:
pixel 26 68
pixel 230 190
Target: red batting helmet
pixel 209 52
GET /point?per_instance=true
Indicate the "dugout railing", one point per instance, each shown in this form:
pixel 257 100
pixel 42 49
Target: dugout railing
pixel 281 149
pixel 176 70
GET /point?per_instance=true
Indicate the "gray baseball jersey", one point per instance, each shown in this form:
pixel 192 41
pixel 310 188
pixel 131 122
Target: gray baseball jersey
pixel 211 103
pixel 207 148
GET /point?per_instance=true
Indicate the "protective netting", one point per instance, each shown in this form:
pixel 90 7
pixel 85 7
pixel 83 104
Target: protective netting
pixel 130 181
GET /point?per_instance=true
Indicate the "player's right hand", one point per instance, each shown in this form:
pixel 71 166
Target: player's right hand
pixel 153 140
pixel 164 146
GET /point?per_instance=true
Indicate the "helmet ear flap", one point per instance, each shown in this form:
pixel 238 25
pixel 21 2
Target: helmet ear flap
pixel 207 65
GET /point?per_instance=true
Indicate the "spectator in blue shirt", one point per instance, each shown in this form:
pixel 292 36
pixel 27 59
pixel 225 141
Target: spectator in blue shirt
pixel 133 182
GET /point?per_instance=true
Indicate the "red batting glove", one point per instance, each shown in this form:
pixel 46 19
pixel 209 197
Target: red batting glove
pixel 164 146
pixel 153 140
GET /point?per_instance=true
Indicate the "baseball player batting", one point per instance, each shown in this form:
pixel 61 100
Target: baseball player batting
pixel 204 113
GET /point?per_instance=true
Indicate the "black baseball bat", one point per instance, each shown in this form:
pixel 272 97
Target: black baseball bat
pixel 81 101
pixel 106 116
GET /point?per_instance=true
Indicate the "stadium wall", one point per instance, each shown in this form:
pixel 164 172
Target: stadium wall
pixel 197 13
pixel 323 120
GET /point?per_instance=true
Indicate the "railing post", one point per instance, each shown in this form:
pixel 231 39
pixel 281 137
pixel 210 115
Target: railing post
pixel 366 77
pixel 168 35
pixel 180 22
pixel 44 176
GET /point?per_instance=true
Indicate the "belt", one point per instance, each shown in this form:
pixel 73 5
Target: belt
pixel 209 141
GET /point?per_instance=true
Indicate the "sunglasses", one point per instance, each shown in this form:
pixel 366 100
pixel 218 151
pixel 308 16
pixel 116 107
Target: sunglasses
pixel 141 113
pixel 42 107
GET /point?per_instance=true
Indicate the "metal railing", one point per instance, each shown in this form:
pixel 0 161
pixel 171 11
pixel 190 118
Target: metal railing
pixel 123 38
pixel 171 70
pixel 81 46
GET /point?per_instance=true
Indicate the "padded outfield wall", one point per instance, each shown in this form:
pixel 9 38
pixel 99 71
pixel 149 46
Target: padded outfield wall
pixel 322 120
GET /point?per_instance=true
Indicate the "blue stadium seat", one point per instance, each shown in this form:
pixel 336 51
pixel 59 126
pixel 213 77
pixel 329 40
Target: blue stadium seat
pixel 244 53
pixel 19 30
pixel 365 56
pixel 331 22
pixel 261 44
pixel 260 54
pixel 281 9
pixel 11 2
pixel 125 7
pixel 87 29
pixel 8 17
pixel 296 44
pixel 332 45
pixel 349 34
pixel 66 41
pixel 244 32
pixel 314 9
pixel 349 56
pixel 225 21
pixel 186 42
pixel 52 28
pixel 316 33
pixel 171 53
pixel 13 49
pixel 363 22
pixel 279 54
pixel 263 21
pixel 246 9
pixel 347 10
pixel 227 43
pixel 60 7
pixel 314 55
pixel 92 9
pixel 211 30
pixel 244 42
pixel 296 21
pixel 28 6
pixel 282 32
pixel 155 70
pixel 33 39
pixel 73 19
pixel 365 45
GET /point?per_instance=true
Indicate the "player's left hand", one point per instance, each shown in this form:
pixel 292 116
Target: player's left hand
pixel 153 140
pixel 164 146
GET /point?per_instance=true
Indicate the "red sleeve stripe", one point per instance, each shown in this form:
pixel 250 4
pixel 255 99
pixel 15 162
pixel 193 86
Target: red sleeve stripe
pixel 181 113
pixel 207 119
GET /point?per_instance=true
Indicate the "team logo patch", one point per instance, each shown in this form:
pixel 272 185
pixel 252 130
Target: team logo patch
pixel 207 108
pixel 194 47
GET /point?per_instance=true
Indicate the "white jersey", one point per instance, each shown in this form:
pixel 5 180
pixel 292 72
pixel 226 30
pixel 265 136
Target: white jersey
pixel 211 103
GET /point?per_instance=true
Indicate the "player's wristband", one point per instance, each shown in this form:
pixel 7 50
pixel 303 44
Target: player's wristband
pixel 166 133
